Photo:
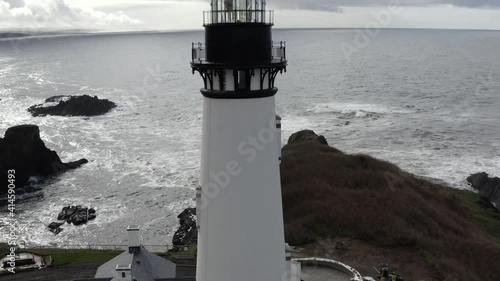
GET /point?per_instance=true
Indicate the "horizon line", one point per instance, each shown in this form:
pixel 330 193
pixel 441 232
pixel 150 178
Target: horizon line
pixel 49 32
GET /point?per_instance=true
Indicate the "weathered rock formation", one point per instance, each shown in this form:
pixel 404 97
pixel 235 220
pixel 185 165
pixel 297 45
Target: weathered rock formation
pixel 22 150
pixel 306 135
pixel 187 234
pixel 76 215
pixel 73 106
pixel 55 227
pixel 488 187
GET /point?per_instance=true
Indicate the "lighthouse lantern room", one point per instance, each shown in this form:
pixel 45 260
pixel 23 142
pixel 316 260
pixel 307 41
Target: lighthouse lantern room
pixel 239 208
pixel 238 55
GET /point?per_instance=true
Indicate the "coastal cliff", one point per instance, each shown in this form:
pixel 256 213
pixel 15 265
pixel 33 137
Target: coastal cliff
pixel 383 214
pixel 23 150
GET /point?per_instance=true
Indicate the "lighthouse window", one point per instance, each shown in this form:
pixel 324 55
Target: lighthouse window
pixel 242 80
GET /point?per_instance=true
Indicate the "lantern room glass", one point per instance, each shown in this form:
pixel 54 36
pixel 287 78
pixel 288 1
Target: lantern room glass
pixel 232 11
pixel 246 5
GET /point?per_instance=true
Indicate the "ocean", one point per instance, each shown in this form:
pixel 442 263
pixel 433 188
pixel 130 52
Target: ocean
pixel 426 100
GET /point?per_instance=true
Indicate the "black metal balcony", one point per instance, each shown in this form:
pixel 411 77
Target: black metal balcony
pixel 278 53
pixel 238 16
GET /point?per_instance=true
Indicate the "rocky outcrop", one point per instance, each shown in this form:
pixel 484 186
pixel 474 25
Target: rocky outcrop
pixel 187 234
pixel 55 227
pixel 76 215
pixel 73 106
pixel 22 150
pixel 488 187
pixel 306 135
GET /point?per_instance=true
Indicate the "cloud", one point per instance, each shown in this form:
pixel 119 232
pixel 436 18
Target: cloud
pixel 336 5
pixel 41 14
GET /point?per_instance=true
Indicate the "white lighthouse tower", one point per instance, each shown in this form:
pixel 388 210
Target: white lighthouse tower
pixel 240 216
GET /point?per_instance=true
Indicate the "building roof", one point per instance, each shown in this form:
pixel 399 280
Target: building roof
pixel 142 264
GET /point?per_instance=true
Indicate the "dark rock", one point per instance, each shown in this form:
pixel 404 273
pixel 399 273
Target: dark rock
pixel 478 180
pixel 306 135
pixel 187 234
pixel 488 187
pixel 56 98
pixel 22 150
pixel 56 230
pixel 66 213
pixel 73 106
pixel 77 215
pixel 76 164
pixel 55 225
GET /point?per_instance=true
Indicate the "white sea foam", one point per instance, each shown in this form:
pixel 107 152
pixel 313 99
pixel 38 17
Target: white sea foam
pixel 360 110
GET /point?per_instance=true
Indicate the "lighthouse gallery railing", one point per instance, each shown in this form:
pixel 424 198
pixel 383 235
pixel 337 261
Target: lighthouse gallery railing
pixel 278 52
pixel 238 16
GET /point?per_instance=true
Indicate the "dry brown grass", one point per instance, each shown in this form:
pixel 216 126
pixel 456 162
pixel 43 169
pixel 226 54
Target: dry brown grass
pixel 327 193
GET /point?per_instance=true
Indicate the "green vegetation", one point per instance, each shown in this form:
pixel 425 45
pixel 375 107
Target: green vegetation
pixel 68 256
pixel 480 211
pixel 191 251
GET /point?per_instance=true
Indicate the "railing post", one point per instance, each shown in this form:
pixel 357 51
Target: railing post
pixel 284 52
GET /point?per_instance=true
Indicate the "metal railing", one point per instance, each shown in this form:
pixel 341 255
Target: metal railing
pixel 278 52
pixel 238 16
pixel 199 54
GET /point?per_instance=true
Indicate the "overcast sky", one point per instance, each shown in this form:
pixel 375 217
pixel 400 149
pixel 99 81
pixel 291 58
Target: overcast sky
pixel 122 15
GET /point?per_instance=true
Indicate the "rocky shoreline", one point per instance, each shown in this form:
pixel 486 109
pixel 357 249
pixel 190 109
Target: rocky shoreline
pixel 488 187
pixel 24 151
pixel 187 233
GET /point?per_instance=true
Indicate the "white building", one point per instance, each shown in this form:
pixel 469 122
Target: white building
pixel 136 264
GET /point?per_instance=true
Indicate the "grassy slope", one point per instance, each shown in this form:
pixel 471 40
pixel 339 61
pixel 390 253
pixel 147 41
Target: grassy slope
pixel 480 212
pixel 329 194
pixel 63 257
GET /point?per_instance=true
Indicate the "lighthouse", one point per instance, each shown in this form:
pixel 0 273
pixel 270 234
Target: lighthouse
pixel 239 208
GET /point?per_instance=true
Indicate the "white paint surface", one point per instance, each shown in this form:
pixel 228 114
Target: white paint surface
pixel 241 233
